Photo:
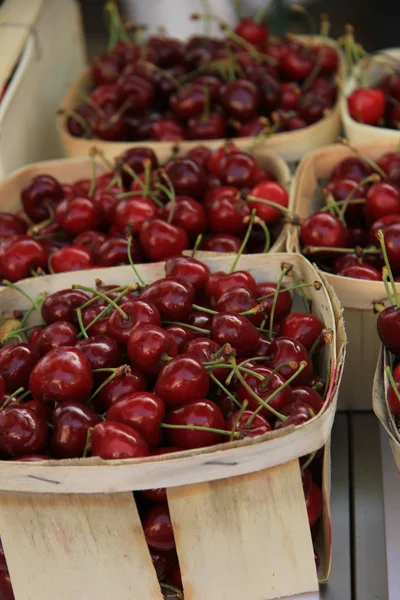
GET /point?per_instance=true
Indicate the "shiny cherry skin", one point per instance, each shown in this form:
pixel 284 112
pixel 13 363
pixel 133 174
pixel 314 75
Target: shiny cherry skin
pixel 219 282
pixel 187 177
pixel 114 252
pixel 91 240
pixel 227 215
pixel 55 335
pixel 269 190
pixel 314 504
pixel 2 386
pixel 238 169
pixel 283 305
pixel 11 225
pixel 17 361
pixel 390 164
pixel 201 412
pixel 257 427
pixel 161 240
pixel 71 422
pixel 383 198
pixel 77 215
pixel 98 327
pixel 147 347
pixel 38 194
pixel 172 297
pixel 61 305
pixel 61 375
pixel 240 99
pixel 270 91
pixel 381 223
pixel 238 300
pixel 392 243
pixel 286 349
pixel 236 330
pixel 204 349
pixel 295 66
pixel 141 410
pixel 167 130
pixel 181 380
pixel 323 229
pixel 392 399
pixel 20 254
pixel 71 258
pixel 21 432
pixel 133 158
pixel 181 335
pixel 102 351
pixel 189 270
pixel 188 214
pixel 308 395
pixel 297 413
pixel 361 271
pixel 122 385
pixel 367 105
pixel 133 210
pixel 215 160
pixel 312 107
pixel 211 128
pixel 138 312
pixel 200 154
pixel 302 327
pixel 112 440
pixel 351 168
pixel 222 242
pixel 188 101
pixel 252 32
pixel 264 391
pixel 389 329
pixel 341 189
pixel 157 528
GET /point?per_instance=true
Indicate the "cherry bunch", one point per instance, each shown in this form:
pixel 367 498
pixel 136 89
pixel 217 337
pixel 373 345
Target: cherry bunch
pixel 361 198
pixel 205 196
pixel 164 89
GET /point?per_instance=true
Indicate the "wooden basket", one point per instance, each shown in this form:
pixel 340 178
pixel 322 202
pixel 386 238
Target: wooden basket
pixel 380 405
pixel 71 529
pixel 355 131
pixel 69 170
pixel 290 145
pixel 45 36
pixel 355 295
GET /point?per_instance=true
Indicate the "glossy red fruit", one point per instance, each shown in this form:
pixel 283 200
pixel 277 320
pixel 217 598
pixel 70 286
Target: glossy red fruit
pixel 19 255
pixel 161 240
pixel 201 412
pixel 188 270
pixel 211 128
pixel 114 252
pixel 304 328
pixel 16 364
pixel 383 198
pixel 227 215
pixel 38 194
pixel 138 312
pixel 71 422
pixel 172 297
pixel 238 169
pixel 11 225
pixel 141 410
pixel 133 210
pixel 240 99
pixel 381 223
pixel 273 191
pixel 55 335
pixel 222 242
pixel 189 214
pixel 258 425
pixel 296 66
pixel 392 243
pixel 101 351
pixel 181 380
pixel 252 32
pixel 238 300
pixel 367 105
pixel 134 158
pixel 21 432
pixel 286 349
pixel 157 528
pixel 71 258
pixel 392 399
pixel 122 385
pixel 187 177
pixel 297 413
pixel 323 229
pixel 6 589
pixel 236 330
pixel 112 441
pixel 389 329
pixel 148 346
pixel 61 305
pixel 361 271
pixel 273 382
pixel 219 282
pixel 308 395
pixel 77 215
pixel 61 375
pixel 283 305
pixel 351 168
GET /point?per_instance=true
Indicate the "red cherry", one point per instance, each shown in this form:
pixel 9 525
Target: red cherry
pixel 101 351
pixel 133 210
pixel 202 413
pixel 60 333
pixel 114 252
pixel 90 313
pixel 38 195
pixel 188 214
pixel 188 101
pixel 187 177
pixel 77 215
pixel 312 107
pixel 148 345
pixel 220 282
pixel 209 128
pixel 19 255
pixel 199 154
pixel 383 198
pixel 61 305
pixel 161 240
pixel 381 223
pixel 258 426
pixel 389 329
pixel 112 441
pixel 157 528
pixel 16 364
pixel 21 432
pixel 264 391
pixel 284 300
pixel 238 169
pixel 91 240
pixel 235 330
pixel 392 399
pixel 71 258
pixel 61 375
pixel 361 271
pixel 351 168
pixel 141 410
pixel 252 32
pixel 71 422
pixel 286 349
pixel 138 313
pixel 189 270
pixel 390 164
pixel 166 130
pixel 392 243
pixel 214 162
pixel 134 158
pixel 297 413
pixel 296 66
pixel 11 225
pixel 181 335
pixel 308 395
pixel 240 99
pixel 269 190
pixel 238 300
pixel 222 242
pixel 304 328
pixel 226 215
pixel 172 297
pixel 367 105
pixel 182 379
pixel 323 229
pixel 122 385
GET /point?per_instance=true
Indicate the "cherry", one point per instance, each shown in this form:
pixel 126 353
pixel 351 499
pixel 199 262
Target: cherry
pixel 90 313
pixel 91 240
pixel 297 413
pixel 302 327
pixel 21 432
pixel 188 214
pixel 201 413
pixel 77 215
pixel 214 162
pixel 238 300
pixel 314 504
pixel 200 154
pixel 157 528
pixel 134 158
pixel 264 389
pixel 106 96
pixel 19 255
pixel 361 271
pixel 353 168
pixel 290 95
pixel 114 252
pixel 392 242
pixel 308 395
pixel 383 198
pixel 2 386
pixel 188 102
pixel 390 164
pixel 161 240
pixel 141 410
pixel 236 330
pixel 71 258
pixel 148 346
pixel 367 105
pixel 186 176
pixel 312 107
pixel 181 335
pixel 62 374
pixel 392 399
pixel 219 282
pixel 257 426
pixel 252 127
pixel 284 350
pixel 268 190
pixel 283 303
pixel 345 260
pixel 251 31
pixel 168 50
pixel 123 384
pixel 5 586
pixel 188 270
pixel 138 313
pixel 270 91
pixel 163 562
pixel 101 351
pixel 227 215
pixel 105 69
pixel 38 195
pixel 61 305
pixel 71 422
pixel 222 242
pixel 42 410
pixel 240 99
pixel 133 210
pixel 55 335
pixel 182 379
pixel 296 66
pixel 167 130
pixel 11 225
pixel 112 440
pixel 322 229
pixel 16 364
pixel 388 329
pixel 381 223
pixel 238 169
pixel 172 297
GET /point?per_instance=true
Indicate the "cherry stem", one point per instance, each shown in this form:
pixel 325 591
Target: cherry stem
pixel 163 73
pixel 385 277
pixel 13 395
pixel 170 193
pixel 238 417
pixel 124 369
pixel 102 156
pixel 87 442
pixel 209 311
pixel 244 362
pixel 107 309
pixel 391 381
pixel 187 326
pixel 250 390
pixel 223 388
pixel 286 269
pixel 357 250
pixel 79 119
pixel 117 28
pixel 147 177
pixel 39 301
pixel 279 207
pixel 115 180
pixel 373 178
pixel 244 369
pixel 197 244
pixel 298 286
pixel 171 588
pixel 94 298
pixel 367 160
pixel 381 238
pixel 129 250
pixel 198 428
pixel 85 288
pixel 86 98
pixel 291 363
pixel 80 323
pixel 21 291
pixel 326 336
pixel 308 461
pixel 267 245
pixel 225 349
pixel 245 240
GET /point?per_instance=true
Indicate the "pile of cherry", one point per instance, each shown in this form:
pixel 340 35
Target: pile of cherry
pixel 83 225
pixel 191 360
pixel 206 88
pixel 361 198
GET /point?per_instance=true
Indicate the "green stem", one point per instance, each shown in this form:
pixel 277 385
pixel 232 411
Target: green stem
pixel 223 388
pixel 21 291
pixel 285 270
pixel 279 207
pixel 308 461
pixel 381 239
pixel 198 428
pixel 328 378
pixel 366 159
pixel 116 373
pixel 385 277
pixel 238 417
pixel 197 244
pixel 188 326
pixel 292 364
pixel 391 381
pixel 142 283
pixel 80 323
pixel 85 288
pixel 209 311
pixel 245 240
pixel 13 395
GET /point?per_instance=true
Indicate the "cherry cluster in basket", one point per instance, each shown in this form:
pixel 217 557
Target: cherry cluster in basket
pixel 68 227
pixel 361 198
pixel 191 360
pixel 206 88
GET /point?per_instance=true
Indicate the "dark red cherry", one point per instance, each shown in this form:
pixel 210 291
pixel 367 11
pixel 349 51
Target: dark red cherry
pixel 55 335
pixel 283 305
pixel 138 312
pixel 16 364
pixel 181 335
pixel 77 215
pixel 188 101
pixel 392 399
pixel 214 162
pixel 219 282
pixel 313 106
pixel 157 528
pixel 361 271
pixel 71 258
pixel 133 210
pixel 240 99
pixel 40 193
pixel 314 504
pixel 270 91
pixel 141 410
pixel 367 105
pixel 383 198
pixel 227 215
pixel 222 242
pixel 167 130
pixel 114 252
pixel 201 412
pixel 188 214
pixel 71 422
pixel 148 346
pixel 61 305
pixel 286 349
pixel 199 154
pixel 61 375
pixel 91 240
pixel 297 413
pixel 188 270
pixel 323 229
pixel 389 329
pixel 252 32
pixel 21 432
pixel 19 255
pixel 11 225
pixel 308 395
pixel 92 326
pixel 181 380
pixel 187 177
pixel 172 297
pixel 258 425
pixel 351 168
pixel 264 389
pixel 161 240
pixel 122 385
pixel 238 169
pixel 235 330
pixel 238 300
pixel 296 66
pixel 302 327
pixel 381 223
pixel 112 441
pixel 392 243
pixel 390 164
pixel 101 351
pixel 134 158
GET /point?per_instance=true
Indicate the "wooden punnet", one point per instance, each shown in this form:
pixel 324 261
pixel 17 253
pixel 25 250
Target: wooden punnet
pixel 71 529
